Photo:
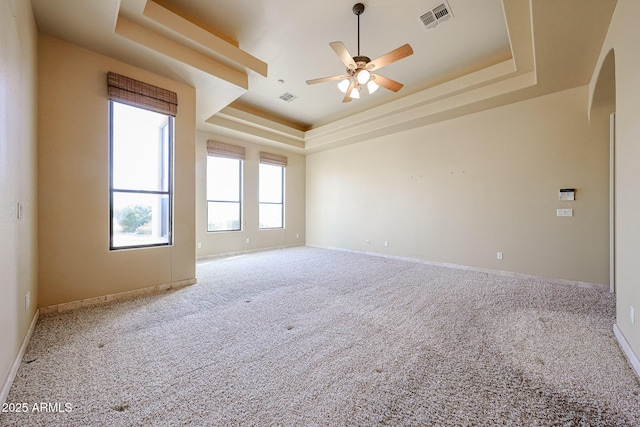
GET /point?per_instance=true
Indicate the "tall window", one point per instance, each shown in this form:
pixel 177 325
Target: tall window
pixel 141 151
pixel 141 163
pixel 271 191
pixel 224 187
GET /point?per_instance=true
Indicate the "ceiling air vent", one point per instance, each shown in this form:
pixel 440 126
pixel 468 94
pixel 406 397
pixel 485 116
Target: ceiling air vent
pixel 435 16
pixel 288 97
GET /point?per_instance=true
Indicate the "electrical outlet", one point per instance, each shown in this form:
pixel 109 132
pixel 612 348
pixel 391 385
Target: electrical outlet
pixel 386 243
pixel 368 242
pixel 297 235
pixel 27 300
pixel 499 255
pixel 564 212
pixel 199 245
pixel 248 240
pixel 632 315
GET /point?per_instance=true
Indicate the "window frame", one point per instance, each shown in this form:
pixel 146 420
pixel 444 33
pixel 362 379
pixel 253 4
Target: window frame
pixel 169 127
pixel 282 197
pixel 240 194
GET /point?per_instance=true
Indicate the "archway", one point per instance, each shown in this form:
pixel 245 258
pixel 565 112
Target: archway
pixel 603 102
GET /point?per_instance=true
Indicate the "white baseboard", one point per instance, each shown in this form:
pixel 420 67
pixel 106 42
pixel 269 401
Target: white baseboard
pixel 16 363
pixel 626 349
pixel 120 296
pixel 504 273
pixel 204 258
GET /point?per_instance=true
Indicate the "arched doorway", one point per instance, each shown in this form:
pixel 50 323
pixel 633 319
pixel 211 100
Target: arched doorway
pixel 603 102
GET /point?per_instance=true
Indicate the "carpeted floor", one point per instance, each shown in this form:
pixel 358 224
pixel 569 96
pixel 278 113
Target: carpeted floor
pixel 313 337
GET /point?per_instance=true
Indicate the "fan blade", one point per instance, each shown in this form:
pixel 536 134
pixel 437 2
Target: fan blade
pixel 390 57
pixel 340 49
pixel 327 79
pixel 347 95
pixel 387 83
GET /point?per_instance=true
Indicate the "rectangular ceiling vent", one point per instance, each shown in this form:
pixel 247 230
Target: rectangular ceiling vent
pixel 436 16
pixel 287 97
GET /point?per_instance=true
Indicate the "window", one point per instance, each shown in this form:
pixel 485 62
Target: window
pixel 224 186
pixel 141 150
pixel 224 190
pixel 271 191
pixel 140 163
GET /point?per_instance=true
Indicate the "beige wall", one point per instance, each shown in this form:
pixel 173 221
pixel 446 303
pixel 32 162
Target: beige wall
pixel 74 258
pixel 623 37
pixel 215 243
pixel 18 177
pixel 462 190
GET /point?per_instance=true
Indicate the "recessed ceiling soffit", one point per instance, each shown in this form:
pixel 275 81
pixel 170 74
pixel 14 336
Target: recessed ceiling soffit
pixel 173 34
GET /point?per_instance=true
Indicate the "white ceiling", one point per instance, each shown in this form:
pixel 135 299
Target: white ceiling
pixel 293 37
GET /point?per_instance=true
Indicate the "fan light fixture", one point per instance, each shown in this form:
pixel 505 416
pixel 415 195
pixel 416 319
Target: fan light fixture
pixel 360 76
pixel 360 68
pixel 372 86
pixel 344 85
pixel 363 76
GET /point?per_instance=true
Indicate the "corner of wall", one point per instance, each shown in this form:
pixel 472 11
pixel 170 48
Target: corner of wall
pixel 18 182
pixel 627 350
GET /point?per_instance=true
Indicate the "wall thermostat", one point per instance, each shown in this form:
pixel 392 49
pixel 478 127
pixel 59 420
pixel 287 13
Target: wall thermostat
pixel 567 194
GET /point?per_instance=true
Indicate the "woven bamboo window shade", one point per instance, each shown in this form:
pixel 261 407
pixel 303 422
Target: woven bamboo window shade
pixel 139 94
pixel 273 159
pixel 220 149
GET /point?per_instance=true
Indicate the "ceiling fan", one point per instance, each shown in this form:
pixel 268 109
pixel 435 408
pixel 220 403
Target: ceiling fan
pixel 359 68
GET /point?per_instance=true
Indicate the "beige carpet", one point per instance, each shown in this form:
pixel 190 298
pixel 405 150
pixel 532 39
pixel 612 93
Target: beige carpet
pixel 313 337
